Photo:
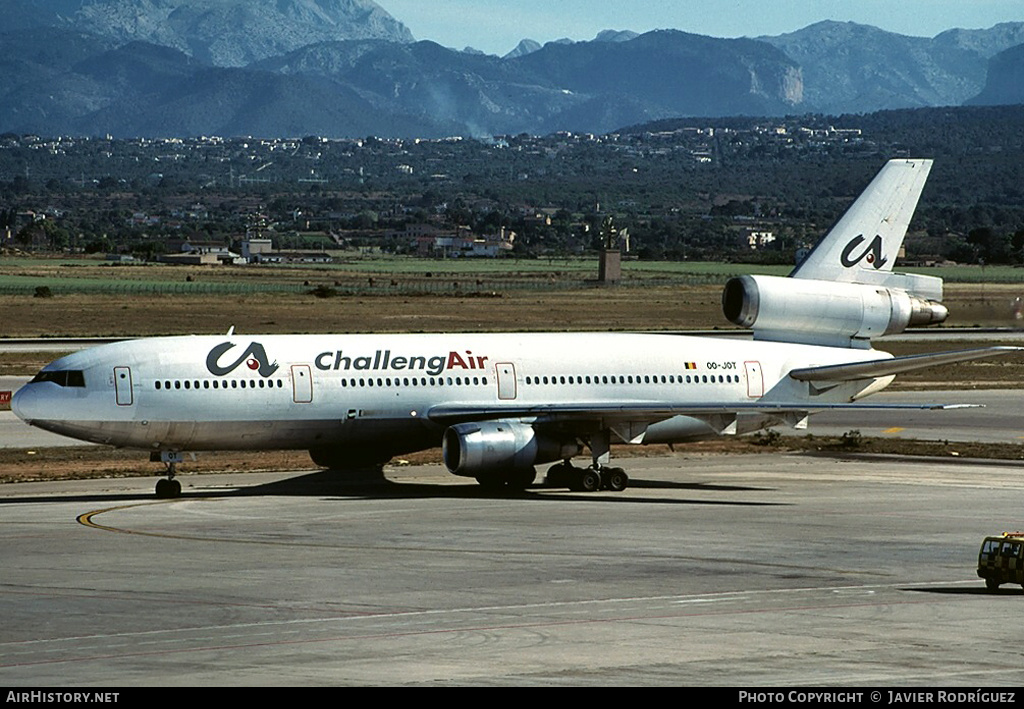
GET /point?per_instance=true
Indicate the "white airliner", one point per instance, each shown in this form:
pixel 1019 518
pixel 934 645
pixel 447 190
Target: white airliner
pixel 502 403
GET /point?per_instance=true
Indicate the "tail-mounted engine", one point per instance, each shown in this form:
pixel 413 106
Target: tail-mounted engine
pixel 822 312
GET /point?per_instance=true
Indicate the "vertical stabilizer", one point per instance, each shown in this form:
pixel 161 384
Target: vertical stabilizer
pixel 864 244
pixel 845 293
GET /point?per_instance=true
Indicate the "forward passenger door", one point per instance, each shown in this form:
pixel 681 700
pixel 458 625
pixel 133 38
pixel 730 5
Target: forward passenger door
pixel 123 386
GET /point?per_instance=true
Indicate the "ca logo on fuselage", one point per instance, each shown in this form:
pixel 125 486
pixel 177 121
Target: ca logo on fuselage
pixel 872 254
pixel 255 358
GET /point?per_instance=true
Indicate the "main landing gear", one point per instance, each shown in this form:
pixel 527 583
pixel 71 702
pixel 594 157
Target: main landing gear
pixel 598 476
pixel 590 479
pixel 167 488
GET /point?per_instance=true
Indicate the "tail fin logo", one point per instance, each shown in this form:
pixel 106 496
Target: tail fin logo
pixel 255 358
pixel 872 254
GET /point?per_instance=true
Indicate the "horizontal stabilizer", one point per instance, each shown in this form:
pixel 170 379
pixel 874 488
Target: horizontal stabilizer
pixel 894 365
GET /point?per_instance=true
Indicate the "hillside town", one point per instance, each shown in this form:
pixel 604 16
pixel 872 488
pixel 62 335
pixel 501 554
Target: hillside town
pixel 683 190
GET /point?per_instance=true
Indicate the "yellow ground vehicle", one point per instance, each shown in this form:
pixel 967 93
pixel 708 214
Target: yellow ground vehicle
pixel 1001 560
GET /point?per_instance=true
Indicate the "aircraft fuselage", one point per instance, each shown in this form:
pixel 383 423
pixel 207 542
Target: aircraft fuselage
pixel 378 391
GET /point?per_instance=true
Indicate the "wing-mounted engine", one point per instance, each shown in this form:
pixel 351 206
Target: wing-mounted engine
pixel 831 313
pixel 494 448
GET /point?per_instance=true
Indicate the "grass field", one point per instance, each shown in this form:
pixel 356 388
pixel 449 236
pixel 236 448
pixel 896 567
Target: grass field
pixel 392 276
pixel 142 308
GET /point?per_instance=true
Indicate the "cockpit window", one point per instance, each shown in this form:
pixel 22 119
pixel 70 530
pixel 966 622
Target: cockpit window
pixel 64 378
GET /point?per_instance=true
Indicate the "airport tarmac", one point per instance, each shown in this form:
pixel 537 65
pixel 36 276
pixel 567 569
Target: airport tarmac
pixel 763 570
pixel 998 420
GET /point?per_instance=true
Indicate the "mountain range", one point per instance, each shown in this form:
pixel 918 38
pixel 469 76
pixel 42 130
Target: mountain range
pixel 347 68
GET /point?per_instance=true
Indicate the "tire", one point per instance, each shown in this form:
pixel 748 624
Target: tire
pixel 991 584
pixel 167 489
pixel 559 475
pixel 615 479
pixel 590 480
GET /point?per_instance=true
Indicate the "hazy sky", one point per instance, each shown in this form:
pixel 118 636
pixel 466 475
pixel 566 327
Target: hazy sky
pixel 496 26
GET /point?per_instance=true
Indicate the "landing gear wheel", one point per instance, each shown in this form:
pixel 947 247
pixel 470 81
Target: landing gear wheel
pixel 586 479
pixel 560 475
pixel 168 489
pixel 590 480
pixel 615 479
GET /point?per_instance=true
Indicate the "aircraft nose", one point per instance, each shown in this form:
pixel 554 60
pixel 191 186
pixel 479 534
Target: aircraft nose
pixel 25 403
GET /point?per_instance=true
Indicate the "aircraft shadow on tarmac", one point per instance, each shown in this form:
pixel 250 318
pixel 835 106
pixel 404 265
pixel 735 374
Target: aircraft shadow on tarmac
pixel 978 590
pixel 370 485
pixel 374 485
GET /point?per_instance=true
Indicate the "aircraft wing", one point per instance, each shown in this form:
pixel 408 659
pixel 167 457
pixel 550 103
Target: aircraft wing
pixel 648 411
pixel 894 365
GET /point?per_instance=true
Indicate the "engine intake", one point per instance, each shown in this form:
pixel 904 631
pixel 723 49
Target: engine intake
pixel 823 312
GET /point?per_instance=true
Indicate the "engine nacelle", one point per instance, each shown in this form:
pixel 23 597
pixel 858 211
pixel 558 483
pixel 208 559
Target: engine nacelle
pixel 823 312
pixel 487 448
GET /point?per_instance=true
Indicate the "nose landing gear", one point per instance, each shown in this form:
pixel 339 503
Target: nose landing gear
pixel 168 488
